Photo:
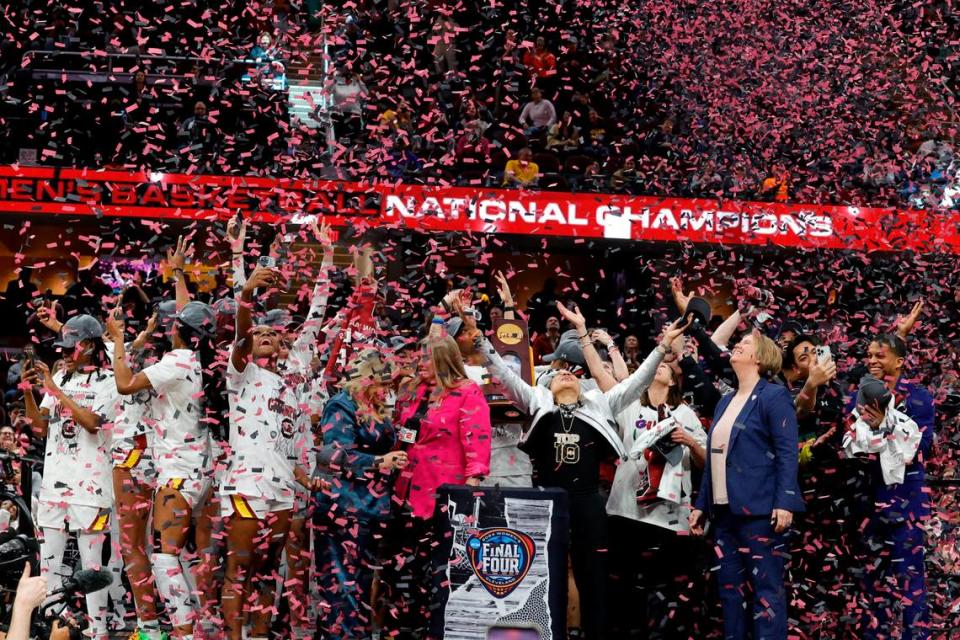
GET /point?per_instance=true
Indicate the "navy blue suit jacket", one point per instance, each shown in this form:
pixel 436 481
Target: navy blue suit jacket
pixel 762 455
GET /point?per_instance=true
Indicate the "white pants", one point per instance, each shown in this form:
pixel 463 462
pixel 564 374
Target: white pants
pixel 90 545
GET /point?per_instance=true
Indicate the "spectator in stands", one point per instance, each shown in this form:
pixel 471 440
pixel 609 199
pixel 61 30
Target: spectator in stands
pixel 660 142
pixel 399 119
pixel 571 65
pixel 540 63
pixel 776 186
pixel 522 172
pixel 471 111
pixel 348 96
pixel 593 179
pixel 9 469
pixel 624 178
pixel 444 33
pixel 263 52
pixel 196 129
pixel 140 96
pixel 403 162
pixel 631 352
pixel 537 115
pixel 541 305
pixel 596 138
pixel 471 146
pixel 580 110
pixel 547 341
pixel 564 135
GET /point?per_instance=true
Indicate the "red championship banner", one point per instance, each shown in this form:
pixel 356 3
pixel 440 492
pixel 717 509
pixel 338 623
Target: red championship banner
pixel 51 191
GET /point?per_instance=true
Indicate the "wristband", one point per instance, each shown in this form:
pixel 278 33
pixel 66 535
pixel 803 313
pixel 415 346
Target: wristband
pixel 612 347
pixel 509 307
pixel 586 335
pixel 180 269
pixel 662 349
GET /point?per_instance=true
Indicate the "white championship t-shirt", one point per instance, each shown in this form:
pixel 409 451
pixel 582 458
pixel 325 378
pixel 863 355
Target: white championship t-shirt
pixel 266 434
pixel 181 447
pixel 134 414
pixel 78 468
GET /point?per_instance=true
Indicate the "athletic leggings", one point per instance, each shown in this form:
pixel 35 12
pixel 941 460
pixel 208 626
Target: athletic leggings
pixel 90 545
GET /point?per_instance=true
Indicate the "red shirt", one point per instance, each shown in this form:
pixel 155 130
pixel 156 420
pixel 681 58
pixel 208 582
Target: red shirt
pixel 543 65
pixel 543 346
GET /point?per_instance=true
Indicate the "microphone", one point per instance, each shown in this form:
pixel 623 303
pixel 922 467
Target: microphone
pixel 85 581
pixel 18 548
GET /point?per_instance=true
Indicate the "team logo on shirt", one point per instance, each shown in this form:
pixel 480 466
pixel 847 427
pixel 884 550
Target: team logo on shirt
pixel 68 428
pixel 288 413
pixel 500 558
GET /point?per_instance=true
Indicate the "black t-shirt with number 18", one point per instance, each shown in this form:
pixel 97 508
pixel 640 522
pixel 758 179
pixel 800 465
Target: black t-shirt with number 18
pixel 566 454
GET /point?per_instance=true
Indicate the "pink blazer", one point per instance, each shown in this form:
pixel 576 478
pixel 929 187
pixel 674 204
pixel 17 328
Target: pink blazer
pixel 453 444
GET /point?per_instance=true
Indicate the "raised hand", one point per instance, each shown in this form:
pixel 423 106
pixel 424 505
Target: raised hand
pixel 321 232
pixel 262 277
pixel 41 373
pixel 673 331
pixel 573 317
pixel 453 303
pixel 177 257
pixel 236 234
pixel 679 297
pixel 905 324
pixel 152 323
pixel 503 289
pixel 48 318
pixel 820 374
pixel 601 336
pixel 114 324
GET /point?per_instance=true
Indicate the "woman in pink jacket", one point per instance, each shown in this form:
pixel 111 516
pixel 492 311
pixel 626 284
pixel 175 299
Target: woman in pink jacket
pixel 444 424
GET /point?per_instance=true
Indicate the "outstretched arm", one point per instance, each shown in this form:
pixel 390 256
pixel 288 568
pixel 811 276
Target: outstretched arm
pixel 721 337
pixel 318 302
pixel 177 258
pixel 503 288
pixel 620 370
pixel 243 344
pixel 127 382
pixel 237 235
pixel 630 389
pixel 906 323
pixel 604 380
